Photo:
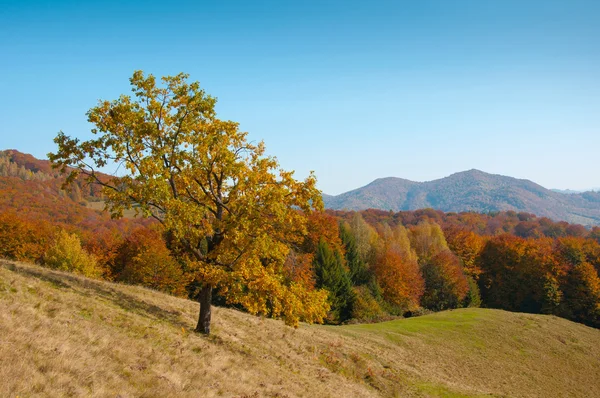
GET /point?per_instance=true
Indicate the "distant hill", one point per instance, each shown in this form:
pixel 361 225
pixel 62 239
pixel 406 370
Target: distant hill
pixel 67 335
pixel 471 190
pixel 31 188
pixel 30 185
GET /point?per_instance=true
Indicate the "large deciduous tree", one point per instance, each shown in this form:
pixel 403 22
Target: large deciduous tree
pixel 232 211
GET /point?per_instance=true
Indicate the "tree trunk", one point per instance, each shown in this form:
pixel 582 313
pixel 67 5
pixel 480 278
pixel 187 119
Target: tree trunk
pixel 205 310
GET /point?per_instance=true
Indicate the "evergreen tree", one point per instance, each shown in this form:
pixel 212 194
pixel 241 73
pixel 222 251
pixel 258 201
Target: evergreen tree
pixel 359 273
pixel 331 275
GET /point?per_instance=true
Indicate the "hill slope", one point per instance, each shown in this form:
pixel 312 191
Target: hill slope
pixel 471 190
pixel 31 188
pixel 67 335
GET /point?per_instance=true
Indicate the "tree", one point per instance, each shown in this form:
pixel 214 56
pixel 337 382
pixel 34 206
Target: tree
pixel 298 267
pixel 364 236
pixel 595 234
pixel 397 270
pixel 580 282
pixel 228 206
pixel 581 301
pixel 359 273
pixel 427 239
pixel 322 226
pixel 399 278
pixel 519 274
pixel 467 245
pixel 331 275
pixel 104 245
pixel 445 284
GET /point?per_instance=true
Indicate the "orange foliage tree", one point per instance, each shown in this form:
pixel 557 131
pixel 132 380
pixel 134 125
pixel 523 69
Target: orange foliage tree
pixel 397 270
pixel 467 245
pixel 519 274
pixel 22 239
pixel 446 284
pixel 322 226
pixel 580 283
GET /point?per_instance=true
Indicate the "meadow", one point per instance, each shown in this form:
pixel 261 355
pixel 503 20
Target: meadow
pixel 66 335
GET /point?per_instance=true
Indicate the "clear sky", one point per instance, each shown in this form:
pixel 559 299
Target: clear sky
pixel 354 90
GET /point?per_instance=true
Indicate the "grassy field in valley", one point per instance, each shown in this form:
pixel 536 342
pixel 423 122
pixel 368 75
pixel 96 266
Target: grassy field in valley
pixel 64 335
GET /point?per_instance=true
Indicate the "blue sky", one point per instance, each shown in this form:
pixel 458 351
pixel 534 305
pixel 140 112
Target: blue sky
pixel 352 90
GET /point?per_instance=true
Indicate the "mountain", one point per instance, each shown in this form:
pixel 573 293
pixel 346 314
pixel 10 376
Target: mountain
pixel 471 190
pixel 31 186
pixel 383 193
pixel 65 335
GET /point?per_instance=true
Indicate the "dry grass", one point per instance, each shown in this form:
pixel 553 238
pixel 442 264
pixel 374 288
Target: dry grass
pixel 99 205
pixel 62 335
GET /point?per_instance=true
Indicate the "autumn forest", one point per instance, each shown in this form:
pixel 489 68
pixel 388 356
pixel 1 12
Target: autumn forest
pixel 371 265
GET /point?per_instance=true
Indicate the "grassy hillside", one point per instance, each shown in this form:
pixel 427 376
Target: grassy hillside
pixel 63 335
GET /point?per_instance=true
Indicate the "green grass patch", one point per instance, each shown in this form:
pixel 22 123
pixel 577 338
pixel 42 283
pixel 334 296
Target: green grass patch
pixel 437 390
pixel 86 313
pixel 459 320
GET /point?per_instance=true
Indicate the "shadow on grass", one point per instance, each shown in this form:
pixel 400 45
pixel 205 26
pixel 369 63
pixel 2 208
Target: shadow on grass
pixel 90 288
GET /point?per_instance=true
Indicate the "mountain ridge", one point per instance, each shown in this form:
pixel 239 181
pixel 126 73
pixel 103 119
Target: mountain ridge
pixel 471 190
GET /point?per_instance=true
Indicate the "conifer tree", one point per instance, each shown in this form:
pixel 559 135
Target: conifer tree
pixel 332 276
pixel 359 273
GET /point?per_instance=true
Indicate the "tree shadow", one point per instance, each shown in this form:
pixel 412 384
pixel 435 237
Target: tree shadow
pixel 92 288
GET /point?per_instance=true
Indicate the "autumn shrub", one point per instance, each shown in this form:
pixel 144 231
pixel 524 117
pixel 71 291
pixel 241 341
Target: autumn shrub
pixel 144 259
pixel 66 254
pixel 103 245
pixel 366 307
pixel 22 239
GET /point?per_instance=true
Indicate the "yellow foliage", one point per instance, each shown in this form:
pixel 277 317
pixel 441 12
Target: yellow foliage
pixel 66 254
pixel 227 205
pixel 427 239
